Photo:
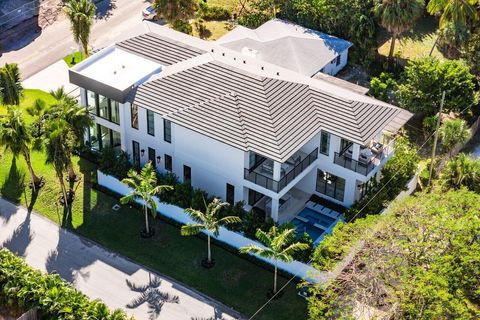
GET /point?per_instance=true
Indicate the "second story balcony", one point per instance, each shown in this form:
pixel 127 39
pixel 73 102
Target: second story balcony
pixel 369 158
pixel 262 172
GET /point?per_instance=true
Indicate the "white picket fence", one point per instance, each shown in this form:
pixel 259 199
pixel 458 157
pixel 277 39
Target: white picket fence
pixel 231 238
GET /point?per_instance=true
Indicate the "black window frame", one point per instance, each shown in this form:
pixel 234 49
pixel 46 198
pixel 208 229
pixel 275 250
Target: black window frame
pixel 168 162
pixel 187 174
pixel 96 110
pixel 230 194
pixel 152 151
pixel 338 60
pixel 324 144
pixel 321 185
pixel 167 136
pixel 151 126
pixel 135 152
pixel 134 119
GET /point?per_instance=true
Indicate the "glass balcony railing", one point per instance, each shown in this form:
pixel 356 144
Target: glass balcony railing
pixel 274 185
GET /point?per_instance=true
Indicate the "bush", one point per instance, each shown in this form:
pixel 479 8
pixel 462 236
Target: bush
pixel 114 163
pixel 254 220
pixel 182 26
pixel 304 255
pixel 25 288
pixel 383 87
pixel 214 12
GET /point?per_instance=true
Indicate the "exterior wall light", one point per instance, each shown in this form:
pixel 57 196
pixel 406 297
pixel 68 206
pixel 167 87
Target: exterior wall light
pixel 158 159
pixel 142 152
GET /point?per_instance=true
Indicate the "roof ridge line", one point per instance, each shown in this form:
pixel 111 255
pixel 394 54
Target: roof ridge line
pixel 199 104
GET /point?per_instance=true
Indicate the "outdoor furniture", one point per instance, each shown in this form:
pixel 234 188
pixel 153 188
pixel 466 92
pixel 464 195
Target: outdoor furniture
pixel 302 219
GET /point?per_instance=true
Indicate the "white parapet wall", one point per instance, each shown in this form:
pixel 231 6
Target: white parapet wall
pixel 231 238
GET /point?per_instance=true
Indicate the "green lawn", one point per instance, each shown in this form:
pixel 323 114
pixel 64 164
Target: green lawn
pixel 216 29
pixel 234 281
pixel 78 58
pixel 414 44
pixel 232 5
pixel 29 97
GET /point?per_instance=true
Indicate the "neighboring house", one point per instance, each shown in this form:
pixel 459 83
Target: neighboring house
pixel 291 46
pixel 241 128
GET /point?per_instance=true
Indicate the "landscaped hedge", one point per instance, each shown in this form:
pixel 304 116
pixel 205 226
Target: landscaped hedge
pixel 22 287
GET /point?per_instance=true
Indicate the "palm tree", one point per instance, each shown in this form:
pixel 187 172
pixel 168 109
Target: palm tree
pixel 209 221
pixel 81 13
pixel 463 170
pixel 144 187
pixel 16 137
pixel 11 89
pixel 278 247
pixel 458 12
pixel 173 10
pixel 59 147
pixel 76 116
pixel 397 16
pixel 452 133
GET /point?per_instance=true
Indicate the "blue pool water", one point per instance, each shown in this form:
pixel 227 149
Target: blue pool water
pixel 313 217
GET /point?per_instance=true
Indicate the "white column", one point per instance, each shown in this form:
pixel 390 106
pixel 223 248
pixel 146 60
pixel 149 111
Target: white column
pixel 355 151
pixel 277 166
pixel 124 119
pixel 275 205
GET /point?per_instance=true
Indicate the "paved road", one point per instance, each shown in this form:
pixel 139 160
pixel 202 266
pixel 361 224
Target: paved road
pixel 56 40
pixel 97 272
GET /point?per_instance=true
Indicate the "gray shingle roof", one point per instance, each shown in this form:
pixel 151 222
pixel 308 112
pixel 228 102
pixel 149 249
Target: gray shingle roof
pixel 272 117
pixel 163 50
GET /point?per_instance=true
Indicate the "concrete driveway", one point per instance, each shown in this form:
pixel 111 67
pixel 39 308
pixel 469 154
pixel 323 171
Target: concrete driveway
pixel 99 273
pixel 51 78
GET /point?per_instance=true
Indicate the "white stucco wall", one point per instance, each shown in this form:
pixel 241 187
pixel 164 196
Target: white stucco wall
pixel 231 238
pixel 332 68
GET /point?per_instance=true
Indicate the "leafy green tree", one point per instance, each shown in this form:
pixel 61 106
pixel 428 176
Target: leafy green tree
pixel 278 247
pixel 398 16
pixel 452 133
pixel 459 12
pixel 144 188
pixel 424 79
pixel 383 87
pixel 173 10
pixel 11 89
pixel 81 14
pixel 462 170
pixel 471 52
pixel 16 137
pixel 421 260
pixel 209 221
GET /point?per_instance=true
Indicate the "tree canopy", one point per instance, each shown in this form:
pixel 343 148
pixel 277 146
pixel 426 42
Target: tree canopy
pixel 422 261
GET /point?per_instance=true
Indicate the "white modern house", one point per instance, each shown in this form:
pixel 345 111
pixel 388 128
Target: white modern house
pixel 240 127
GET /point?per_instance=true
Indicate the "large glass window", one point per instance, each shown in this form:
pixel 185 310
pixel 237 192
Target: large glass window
pixel 93 135
pixel 324 143
pixel 103 107
pixel 101 137
pixel 167 130
pixel 115 111
pixel 116 140
pixel 330 185
pixel 105 137
pixel 134 116
pixel 150 122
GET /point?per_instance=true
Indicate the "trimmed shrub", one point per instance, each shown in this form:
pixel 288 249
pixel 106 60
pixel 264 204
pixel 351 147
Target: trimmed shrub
pixel 114 163
pixel 23 287
pixel 182 26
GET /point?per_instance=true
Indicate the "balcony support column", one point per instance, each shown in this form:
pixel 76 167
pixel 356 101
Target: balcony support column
pixel 277 168
pixel 275 207
pixel 355 151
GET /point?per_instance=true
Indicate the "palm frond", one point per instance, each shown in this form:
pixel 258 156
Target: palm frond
pixel 264 237
pixel 196 215
pixel 191 229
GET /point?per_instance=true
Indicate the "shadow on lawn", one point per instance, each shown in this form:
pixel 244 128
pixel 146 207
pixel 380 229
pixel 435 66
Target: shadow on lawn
pixel 13 187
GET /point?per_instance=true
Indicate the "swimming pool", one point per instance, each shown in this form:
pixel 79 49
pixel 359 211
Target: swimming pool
pixel 315 222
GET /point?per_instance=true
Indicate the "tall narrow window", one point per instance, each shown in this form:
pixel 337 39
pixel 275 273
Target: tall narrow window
pixel 136 152
pixel 324 143
pixel 114 112
pixel 103 107
pixel 187 174
pixel 230 196
pixel 151 156
pixel 134 116
pixel 167 131
pixel 150 122
pixel 168 162
pixel 338 60
pixel 92 102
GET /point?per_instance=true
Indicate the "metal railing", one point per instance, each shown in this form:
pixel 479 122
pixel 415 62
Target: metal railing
pixel 361 167
pixel 274 185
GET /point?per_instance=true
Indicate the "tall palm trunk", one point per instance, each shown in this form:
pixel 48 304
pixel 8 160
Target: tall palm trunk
pixel 64 189
pixel 72 175
pixel 392 46
pixel 209 256
pixel 147 227
pixel 275 279
pixel 35 179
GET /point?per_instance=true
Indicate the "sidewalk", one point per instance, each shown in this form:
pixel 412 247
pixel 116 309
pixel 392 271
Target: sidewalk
pixel 98 273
